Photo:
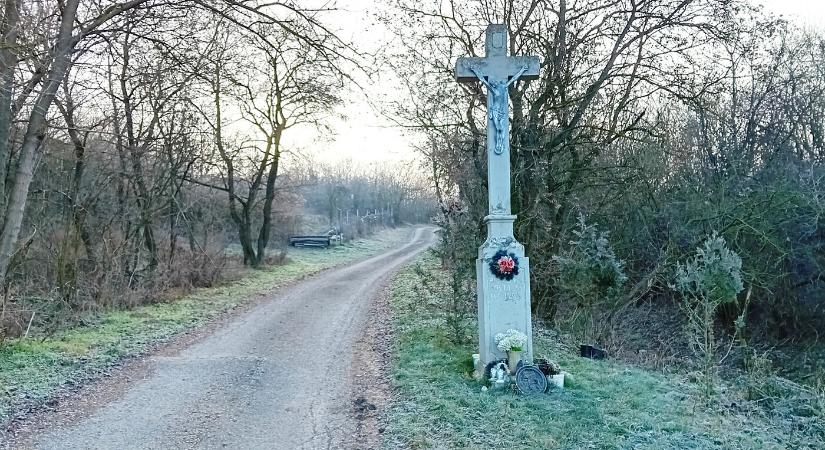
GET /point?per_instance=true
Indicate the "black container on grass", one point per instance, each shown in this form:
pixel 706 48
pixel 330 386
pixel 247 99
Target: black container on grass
pixel 592 352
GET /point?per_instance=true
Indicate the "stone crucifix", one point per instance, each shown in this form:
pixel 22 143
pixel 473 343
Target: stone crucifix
pixel 502 269
pixel 497 72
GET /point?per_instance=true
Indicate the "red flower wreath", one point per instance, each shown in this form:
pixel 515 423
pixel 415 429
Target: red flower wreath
pixel 504 265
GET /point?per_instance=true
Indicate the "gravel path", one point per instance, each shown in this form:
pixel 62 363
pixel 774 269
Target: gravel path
pixel 276 377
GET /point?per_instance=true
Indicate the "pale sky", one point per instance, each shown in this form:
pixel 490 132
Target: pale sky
pixel 366 136
pixel 810 12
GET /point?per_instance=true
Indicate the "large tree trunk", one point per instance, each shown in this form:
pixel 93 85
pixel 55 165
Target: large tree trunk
pixel 240 218
pixel 35 133
pixel 8 62
pixel 269 196
pixel 245 236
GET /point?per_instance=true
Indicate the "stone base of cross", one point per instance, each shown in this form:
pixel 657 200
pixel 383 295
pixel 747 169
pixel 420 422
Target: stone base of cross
pixel 503 302
pixel 502 268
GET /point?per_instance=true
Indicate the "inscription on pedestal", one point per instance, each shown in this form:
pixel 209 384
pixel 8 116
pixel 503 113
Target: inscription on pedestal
pixel 505 292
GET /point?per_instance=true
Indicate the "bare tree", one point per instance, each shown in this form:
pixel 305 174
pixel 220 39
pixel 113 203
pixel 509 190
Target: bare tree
pixel 297 86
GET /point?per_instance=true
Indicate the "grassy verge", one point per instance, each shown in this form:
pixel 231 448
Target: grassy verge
pixel 608 404
pixel 36 369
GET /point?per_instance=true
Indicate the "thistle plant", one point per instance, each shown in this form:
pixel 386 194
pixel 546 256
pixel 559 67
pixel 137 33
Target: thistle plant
pixel 712 278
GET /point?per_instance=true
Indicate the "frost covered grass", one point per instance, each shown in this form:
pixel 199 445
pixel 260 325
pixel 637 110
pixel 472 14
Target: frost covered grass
pixel 34 370
pixel 607 404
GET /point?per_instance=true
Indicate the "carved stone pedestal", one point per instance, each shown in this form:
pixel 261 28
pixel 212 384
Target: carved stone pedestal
pixel 502 304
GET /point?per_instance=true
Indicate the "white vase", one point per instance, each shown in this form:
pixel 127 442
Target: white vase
pixel 557 380
pixel 513 358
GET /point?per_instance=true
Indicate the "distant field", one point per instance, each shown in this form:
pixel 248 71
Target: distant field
pixel 607 405
pixel 34 370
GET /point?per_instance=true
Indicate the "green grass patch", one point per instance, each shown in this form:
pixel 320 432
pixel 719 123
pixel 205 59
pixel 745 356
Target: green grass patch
pixel 606 405
pixel 34 370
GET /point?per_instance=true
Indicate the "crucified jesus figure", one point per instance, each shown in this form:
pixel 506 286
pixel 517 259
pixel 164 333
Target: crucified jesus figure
pixel 498 109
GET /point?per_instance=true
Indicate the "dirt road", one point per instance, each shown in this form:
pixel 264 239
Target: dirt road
pixel 274 378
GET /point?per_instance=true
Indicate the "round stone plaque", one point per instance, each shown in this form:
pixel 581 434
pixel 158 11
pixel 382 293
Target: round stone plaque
pixel 530 380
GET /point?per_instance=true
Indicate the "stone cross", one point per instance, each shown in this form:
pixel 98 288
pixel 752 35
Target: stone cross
pixel 497 72
pixel 503 298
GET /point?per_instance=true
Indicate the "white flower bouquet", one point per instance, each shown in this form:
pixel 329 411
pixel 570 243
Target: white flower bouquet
pixel 511 340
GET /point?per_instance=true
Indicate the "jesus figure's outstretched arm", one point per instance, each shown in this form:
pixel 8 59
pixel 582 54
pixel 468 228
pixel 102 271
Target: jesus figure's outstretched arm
pixel 480 77
pixel 516 77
